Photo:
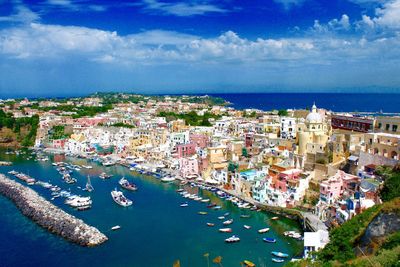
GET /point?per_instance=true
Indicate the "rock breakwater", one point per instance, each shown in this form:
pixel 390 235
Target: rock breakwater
pixel 49 216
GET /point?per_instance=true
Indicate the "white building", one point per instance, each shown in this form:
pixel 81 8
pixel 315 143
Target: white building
pixel 314 241
pixel 288 127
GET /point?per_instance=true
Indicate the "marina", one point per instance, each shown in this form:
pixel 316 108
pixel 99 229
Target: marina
pixel 154 202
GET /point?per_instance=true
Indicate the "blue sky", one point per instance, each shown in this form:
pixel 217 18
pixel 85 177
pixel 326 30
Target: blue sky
pixel 58 47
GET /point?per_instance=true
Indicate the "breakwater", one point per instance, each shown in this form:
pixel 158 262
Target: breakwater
pixel 48 216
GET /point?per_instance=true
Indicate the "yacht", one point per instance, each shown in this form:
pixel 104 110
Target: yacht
pixel 120 199
pixel 232 239
pixel 78 202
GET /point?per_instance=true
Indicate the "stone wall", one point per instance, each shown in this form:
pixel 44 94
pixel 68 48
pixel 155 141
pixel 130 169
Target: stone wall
pixel 48 216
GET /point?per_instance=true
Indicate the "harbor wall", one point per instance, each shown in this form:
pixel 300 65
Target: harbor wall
pixel 49 216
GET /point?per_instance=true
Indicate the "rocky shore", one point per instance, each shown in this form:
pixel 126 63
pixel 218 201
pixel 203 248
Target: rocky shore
pixel 48 216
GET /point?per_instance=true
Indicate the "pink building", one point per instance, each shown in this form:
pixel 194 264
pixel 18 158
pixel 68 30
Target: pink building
pixel 201 140
pixel 88 122
pixel 185 150
pixel 282 182
pixel 189 167
pixel 333 188
pixel 59 143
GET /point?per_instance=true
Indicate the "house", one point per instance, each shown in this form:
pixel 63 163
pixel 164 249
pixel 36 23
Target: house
pixel 314 241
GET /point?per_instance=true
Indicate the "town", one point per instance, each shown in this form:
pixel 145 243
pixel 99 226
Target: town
pixel 322 164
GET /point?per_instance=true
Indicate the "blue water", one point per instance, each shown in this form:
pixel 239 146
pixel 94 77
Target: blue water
pixel 155 231
pixel 331 101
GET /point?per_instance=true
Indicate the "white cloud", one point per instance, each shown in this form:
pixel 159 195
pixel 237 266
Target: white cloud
pixel 21 14
pixel 290 3
pixel 389 14
pixel 182 9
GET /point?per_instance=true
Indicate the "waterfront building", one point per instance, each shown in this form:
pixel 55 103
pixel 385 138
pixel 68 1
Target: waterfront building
pixel 352 123
pixel 315 241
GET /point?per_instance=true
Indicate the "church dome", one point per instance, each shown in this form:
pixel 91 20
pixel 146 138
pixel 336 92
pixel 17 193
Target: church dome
pixel 314 116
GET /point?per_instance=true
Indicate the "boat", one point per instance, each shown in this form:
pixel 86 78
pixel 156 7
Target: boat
pixel 87 166
pixel 205 200
pixel 221 217
pixel 216 208
pixel 245 216
pixel 264 230
pixel 225 230
pixel 279 254
pixel 226 214
pixel 269 240
pixel 277 260
pixel 184 205
pixel 275 218
pixel 104 175
pixel 108 163
pixel 211 205
pixel 210 224
pixel 202 212
pixel 228 222
pixel 89 187
pixel 180 190
pixel 124 183
pixel 247 226
pixel 232 239
pixel 78 202
pixel 248 263
pixel 117 227
pixel 167 179
pixel 120 199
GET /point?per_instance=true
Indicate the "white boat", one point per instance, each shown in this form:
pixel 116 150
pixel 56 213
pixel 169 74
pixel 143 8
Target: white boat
pixel 108 163
pixel 167 179
pixel 225 230
pixel 120 199
pixel 221 217
pixel 89 187
pixel 104 175
pixel 232 239
pixel 264 230
pixel 117 227
pixel 87 166
pixel 77 201
pixel 124 183
pixel 247 226
pixel 184 205
pixel 228 222
pixel 205 200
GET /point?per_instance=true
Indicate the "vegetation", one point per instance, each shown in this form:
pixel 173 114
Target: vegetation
pixel 121 124
pixel 232 167
pixel 391 186
pixel 80 111
pixel 191 118
pixel 245 153
pixel 57 132
pixel 24 128
pixel 282 112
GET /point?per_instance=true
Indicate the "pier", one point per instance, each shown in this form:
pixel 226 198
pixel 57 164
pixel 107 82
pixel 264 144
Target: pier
pixel 48 216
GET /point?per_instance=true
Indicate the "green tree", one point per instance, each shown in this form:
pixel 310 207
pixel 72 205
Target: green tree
pixel 282 112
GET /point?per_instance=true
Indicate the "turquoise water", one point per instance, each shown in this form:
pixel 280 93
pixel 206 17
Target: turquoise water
pixel 155 231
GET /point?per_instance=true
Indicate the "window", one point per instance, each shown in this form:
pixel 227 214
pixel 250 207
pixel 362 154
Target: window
pixel 387 127
pixel 394 128
pixel 379 125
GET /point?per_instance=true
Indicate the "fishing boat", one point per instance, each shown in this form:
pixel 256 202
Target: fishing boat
pixel 117 227
pixel 232 239
pixel 205 200
pixel 167 179
pixel 269 240
pixel 124 183
pixel 202 213
pixel 221 217
pixel 277 260
pixel 184 205
pixel 279 254
pixel 264 230
pixel 247 226
pixel 228 222
pixel 120 199
pixel 225 230
pixel 248 263
pixel 210 224
pixel 89 187
pixel 275 218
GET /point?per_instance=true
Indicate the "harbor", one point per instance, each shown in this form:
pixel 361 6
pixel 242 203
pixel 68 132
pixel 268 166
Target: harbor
pixel 155 224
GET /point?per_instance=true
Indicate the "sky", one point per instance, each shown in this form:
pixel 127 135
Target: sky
pixel 72 47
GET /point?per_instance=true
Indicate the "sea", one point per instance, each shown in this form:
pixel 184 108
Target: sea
pixel 155 230
pixel 339 102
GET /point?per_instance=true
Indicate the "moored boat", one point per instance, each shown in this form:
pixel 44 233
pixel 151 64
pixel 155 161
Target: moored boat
pixel 225 230
pixel 116 227
pixel 269 240
pixel 232 239
pixel 210 224
pixel 228 222
pixel 248 263
pixel 277 260
pixel 167 179
pixel 279 254
pixel 202 213
pixel 275 218
pixel 124 183
pixel 120 199
pixel 263 230
pixel 184 205
pixel 247 226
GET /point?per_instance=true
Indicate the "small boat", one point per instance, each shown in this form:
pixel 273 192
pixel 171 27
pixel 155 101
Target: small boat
pixel 245 216
pixel 124 183
pixel 221 217
pixel 226 214
pixel 104 175
pixel 216 208
pixel 247 226
pixel 269 240
pixel 108 163
pixel 228 222
pixel 232 239
pixel 202 213
pixel 205 200
pixel 184 205
pixel 279 254
pixel 120 199
pixel 180 190
pixel 211 205
pixel 225 230
pixel 89 187
pixel 210 224
pixel 167 179
pixel 264 230
pixel 277 260
pixel 117 227
pixel 248 263
pixel 275 218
